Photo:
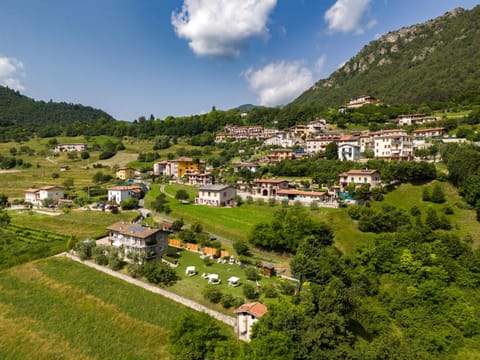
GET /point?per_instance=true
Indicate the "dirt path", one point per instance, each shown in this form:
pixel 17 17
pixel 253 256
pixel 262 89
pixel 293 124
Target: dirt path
pixel 179 299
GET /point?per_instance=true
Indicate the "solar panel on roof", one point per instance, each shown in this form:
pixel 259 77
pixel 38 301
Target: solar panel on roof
pixel 137 228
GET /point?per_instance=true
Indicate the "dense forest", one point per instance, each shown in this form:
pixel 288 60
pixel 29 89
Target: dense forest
pixel 426 63
pixel 22 118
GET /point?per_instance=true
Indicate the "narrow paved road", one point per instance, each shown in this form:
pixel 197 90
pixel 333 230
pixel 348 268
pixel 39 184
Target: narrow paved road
pixel 179 299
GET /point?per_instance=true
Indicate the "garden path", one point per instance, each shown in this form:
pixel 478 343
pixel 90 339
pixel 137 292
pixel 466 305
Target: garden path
pixel 179 299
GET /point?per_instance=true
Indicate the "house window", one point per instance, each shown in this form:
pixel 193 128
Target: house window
pixel 209 193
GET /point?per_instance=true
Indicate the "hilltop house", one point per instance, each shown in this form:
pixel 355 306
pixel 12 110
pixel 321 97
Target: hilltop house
pixel 36 196
pixel 247 315
pixel 140 239
pixel 359 177
pixel 117 194
pixel 361 101
pixel 216 195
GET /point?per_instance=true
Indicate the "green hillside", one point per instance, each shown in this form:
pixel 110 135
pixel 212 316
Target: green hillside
pixel 59 309
pixel 429 62
pixel 21 116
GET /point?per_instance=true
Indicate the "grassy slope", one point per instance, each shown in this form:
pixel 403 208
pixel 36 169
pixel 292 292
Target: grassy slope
pixel 56 308
pixel 463 220
pixel 192 286
pixel 82 224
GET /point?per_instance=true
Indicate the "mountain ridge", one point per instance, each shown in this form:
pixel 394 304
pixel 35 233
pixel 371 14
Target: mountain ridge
pixel 430 61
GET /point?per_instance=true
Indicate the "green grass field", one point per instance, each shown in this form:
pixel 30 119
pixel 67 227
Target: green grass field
pixel 79 223
pixel 192 286
pixel 58 309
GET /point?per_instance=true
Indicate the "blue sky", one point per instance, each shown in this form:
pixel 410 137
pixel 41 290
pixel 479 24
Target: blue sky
pixel 171 57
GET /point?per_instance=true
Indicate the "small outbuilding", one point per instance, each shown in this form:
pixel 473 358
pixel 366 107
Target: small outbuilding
pixel 213 279
pixel 190 271
pixel 247 315
pixel 233 281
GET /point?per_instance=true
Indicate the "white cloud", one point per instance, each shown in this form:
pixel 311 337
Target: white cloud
pixel 346 15
pixel 278 83
pixel 221 28
pixel 320 64
pixel 9 68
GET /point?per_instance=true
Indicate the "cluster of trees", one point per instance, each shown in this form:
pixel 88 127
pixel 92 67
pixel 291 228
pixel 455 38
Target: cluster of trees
pixel 463 164
pixel 287 230
pixel 418 281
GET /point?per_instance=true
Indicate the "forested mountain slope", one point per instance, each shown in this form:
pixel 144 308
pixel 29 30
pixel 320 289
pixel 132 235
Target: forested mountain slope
pixel 429 62
pixel 21 116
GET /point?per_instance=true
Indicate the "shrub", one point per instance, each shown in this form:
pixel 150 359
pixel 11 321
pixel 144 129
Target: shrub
pixel 286 287
pixel 426 194
pixel 437 195
pixel 249 200
pixel 129 204
pixel 252 273
pixel 354 212
pixel 284 203
pixel 314 205
pixel 271 201
pixel 55 175
pixel 159 273
pixel 270 292
pixel 227 301
pixel 213 294
pixel 241 248
pixel 135 270
pixel 207 261
pixel 249 291
pixel 84 249
pixel 260 201
pixel 415 211
pixel 238 301
pixel 448 210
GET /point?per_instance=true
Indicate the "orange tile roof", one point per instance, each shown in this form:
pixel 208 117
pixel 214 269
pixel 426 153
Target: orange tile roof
pixel 270 181
pixel 255 308
pixel 300 192
pixel 124 188
pixel 358 172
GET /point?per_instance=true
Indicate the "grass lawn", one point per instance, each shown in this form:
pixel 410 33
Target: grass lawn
pixel 82 224
pixel 192 286
pixel 59 309
pixel 463 220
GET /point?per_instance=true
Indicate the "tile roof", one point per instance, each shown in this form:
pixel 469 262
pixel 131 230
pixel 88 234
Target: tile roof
pixel 214 187
pixel 300 192
pixel 134 230
pixel 270 181
pixel 124 188
pixel 255 308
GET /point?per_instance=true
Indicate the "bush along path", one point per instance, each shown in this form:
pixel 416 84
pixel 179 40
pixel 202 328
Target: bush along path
pixel 179 299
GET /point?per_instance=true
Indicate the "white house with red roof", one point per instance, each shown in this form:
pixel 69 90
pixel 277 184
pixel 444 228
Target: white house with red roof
pixel 247 315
